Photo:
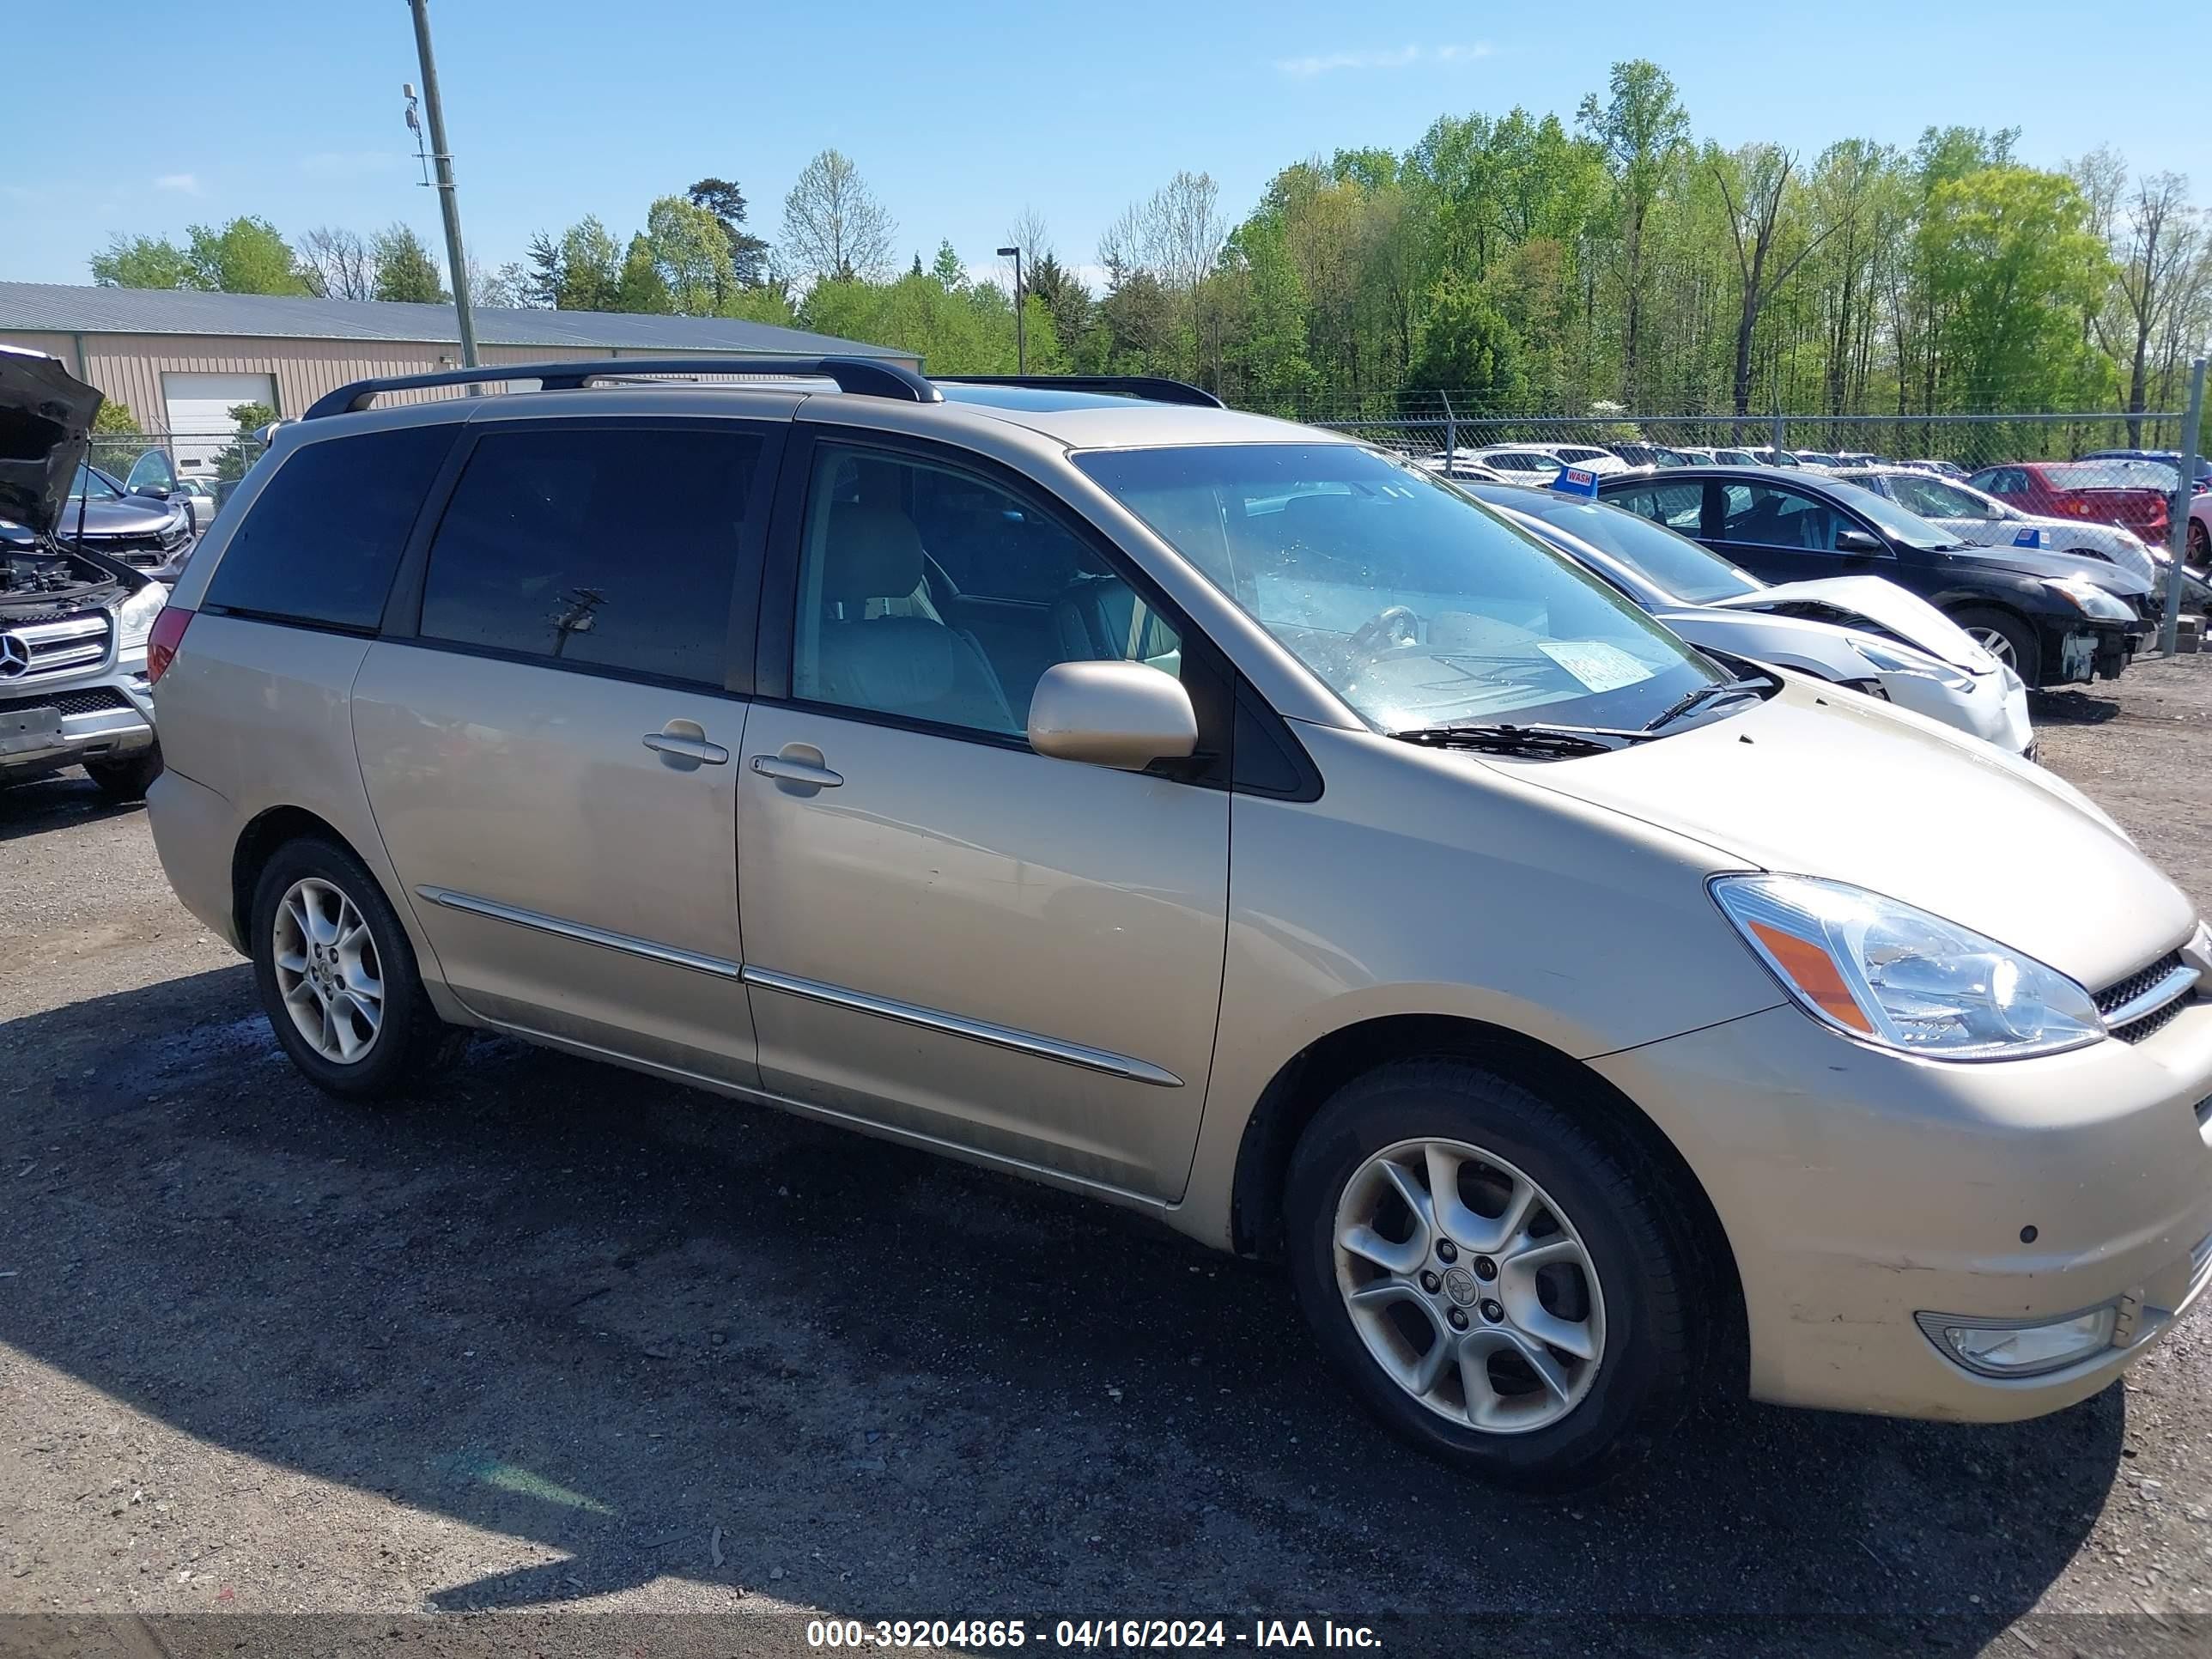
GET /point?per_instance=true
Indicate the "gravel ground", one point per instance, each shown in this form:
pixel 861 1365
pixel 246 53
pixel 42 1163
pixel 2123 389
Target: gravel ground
pixel 591 1364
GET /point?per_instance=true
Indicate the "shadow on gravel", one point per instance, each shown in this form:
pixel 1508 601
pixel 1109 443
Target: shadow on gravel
pixel 565 1304
pixel 68 798
pixel 2070 708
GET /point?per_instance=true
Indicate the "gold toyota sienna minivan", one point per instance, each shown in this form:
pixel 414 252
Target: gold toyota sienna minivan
pixel 1220 817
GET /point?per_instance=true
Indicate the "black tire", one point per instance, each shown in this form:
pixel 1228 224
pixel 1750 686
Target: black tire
pixel 125 780
pixel 2200 543
pixel 1638 1244
pixel 412 1041
pixel 2027 651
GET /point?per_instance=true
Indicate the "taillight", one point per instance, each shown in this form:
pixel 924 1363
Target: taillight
pixel 168 633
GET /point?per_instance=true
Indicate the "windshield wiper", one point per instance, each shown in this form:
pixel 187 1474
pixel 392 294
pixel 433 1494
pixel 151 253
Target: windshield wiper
pixel 1551 741
pixel 1683 705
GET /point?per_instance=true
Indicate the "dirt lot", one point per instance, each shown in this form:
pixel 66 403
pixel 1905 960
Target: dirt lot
pixel 564 1342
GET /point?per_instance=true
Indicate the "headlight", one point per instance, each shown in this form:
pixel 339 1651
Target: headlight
pixel 1888 974
pixel 134 620
pixel 2092 600
pixel 1904 659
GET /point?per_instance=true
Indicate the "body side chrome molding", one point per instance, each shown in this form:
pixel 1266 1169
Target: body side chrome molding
pixel 998 1036
pixel 446 898
pixel 2171 989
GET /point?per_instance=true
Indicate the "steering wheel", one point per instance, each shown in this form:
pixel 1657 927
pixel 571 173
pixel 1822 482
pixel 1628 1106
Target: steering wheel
pixel 1394 625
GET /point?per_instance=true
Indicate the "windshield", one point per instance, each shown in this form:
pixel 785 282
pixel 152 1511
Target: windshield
pixel 1673 563
pixel 93 485
pixel 1893 520
pixel 1937 498
pixel 2114 475
pixel 1416 606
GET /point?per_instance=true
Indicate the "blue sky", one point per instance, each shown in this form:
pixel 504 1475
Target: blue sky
pixel 961 114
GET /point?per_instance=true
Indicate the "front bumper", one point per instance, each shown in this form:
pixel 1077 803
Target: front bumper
pixel 2076 653
pixel 101 715
pixel 1860 1189
pixel 1993 708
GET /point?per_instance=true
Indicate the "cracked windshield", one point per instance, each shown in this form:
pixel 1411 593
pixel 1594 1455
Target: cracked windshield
pixel 1418 607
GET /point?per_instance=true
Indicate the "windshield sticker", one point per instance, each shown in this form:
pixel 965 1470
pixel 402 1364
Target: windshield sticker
pixel 1598 666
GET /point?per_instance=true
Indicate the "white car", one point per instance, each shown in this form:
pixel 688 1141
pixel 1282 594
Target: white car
pixel 1460 465
pixel 1546 458
pixel 1983 519
pixel 1871 635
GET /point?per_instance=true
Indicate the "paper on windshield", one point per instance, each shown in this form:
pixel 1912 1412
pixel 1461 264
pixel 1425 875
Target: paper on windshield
pixel 1598 666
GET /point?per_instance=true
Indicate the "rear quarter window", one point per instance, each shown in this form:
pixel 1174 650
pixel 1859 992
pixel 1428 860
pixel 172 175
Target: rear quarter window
pixel 321 541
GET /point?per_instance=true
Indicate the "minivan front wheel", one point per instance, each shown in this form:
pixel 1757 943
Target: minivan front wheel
pixel 337 978
pixel 1486 1273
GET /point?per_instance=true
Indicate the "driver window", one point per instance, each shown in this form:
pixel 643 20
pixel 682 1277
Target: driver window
pixel 929 593
pixel 1765 516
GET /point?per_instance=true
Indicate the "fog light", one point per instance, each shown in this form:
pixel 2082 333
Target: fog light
pixel 1993 1347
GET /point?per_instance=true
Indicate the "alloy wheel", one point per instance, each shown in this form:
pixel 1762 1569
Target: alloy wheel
pixel 1996 644
pixel 1468 1286
pixel 327 970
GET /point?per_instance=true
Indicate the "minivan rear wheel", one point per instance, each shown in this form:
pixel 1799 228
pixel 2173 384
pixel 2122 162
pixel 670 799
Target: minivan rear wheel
pixel 338 977
pixel 1485 1274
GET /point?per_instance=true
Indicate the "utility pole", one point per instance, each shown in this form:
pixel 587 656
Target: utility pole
pixel 2177 533
pixel 1021 333
pixel 441 157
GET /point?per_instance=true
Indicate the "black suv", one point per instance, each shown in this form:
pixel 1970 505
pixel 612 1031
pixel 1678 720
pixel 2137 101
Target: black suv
pixel 2051 627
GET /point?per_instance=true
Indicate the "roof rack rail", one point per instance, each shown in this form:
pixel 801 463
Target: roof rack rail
pixel 871 377
pixel 1155 387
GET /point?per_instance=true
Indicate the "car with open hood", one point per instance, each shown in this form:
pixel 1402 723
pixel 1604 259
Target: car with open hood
pixel 1860 632
pixel 74 619
pixel 148 526
pixel 1219 818
pixel 2055 620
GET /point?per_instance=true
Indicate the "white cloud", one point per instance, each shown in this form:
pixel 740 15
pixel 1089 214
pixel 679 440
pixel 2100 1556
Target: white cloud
pixel 1314 64
pixel 184 184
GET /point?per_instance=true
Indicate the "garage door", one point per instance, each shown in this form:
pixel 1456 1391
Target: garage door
pixel 199 408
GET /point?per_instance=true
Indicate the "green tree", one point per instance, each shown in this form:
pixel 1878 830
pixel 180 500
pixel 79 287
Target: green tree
pixel 946 268
pixel 144 262
pixel 748 253
pixel 690 257
pixel 245 256
pixel 117 440
pixel 1640 125
pixel 641 287
pixel 581 269
pixel 2011 264
pixel 1466 345
pixel 243 450
pixel 405 269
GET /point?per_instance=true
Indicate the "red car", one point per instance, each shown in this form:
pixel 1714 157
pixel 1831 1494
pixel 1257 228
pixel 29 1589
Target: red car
pixel 2124 493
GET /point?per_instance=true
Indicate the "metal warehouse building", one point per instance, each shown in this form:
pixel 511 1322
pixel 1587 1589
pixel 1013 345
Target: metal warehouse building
pixel 182 361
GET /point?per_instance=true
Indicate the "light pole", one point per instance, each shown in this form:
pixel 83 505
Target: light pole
pixel 442 158
pixel 1021 334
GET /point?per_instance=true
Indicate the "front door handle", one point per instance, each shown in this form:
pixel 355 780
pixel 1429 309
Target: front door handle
pixel 788 768
pixel 686 740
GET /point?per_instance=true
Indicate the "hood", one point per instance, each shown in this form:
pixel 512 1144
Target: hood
pixel 1892 611
pixel 1847 788
pixel 2056 566
pixel 45 429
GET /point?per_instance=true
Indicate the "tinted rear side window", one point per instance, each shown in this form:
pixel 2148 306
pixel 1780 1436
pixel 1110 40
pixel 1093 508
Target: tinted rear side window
pixel 605 547
pixel 322 541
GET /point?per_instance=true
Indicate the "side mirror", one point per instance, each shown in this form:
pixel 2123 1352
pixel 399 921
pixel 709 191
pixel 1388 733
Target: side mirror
pixel 157 492
pixel 1859 541
pixel 1122 715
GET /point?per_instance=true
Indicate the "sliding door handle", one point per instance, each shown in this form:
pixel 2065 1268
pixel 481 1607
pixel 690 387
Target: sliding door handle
pixel 804 773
